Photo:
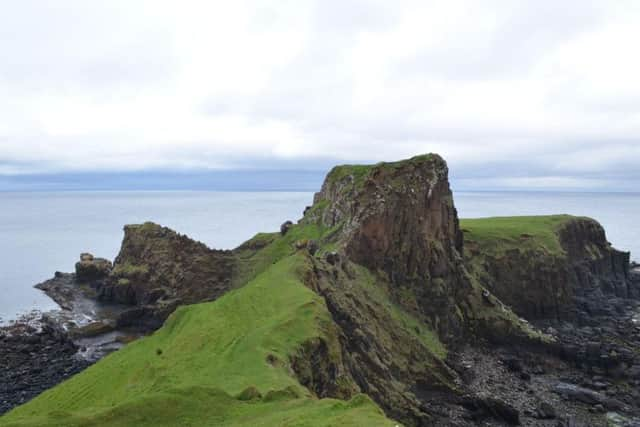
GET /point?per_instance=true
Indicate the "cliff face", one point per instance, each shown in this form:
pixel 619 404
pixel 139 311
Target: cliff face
pixel 392 356
pixel 389 266
pixel 158 269
pixel 560 271
pixel 595 266
pixel 399 219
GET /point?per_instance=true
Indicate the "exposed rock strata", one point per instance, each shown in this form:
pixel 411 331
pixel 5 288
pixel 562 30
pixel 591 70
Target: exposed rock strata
pixel 90 268
pixel 399 219
pixel 155 271
pixel 396 237
pixel 158 264
pixel 541 284
pixel 389 361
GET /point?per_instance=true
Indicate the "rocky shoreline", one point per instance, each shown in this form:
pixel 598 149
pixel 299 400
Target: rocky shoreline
pixel 35 355
pixel 591 380
pixel 40 350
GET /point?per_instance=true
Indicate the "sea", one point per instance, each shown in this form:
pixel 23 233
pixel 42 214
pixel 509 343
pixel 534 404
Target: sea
pixel 44 232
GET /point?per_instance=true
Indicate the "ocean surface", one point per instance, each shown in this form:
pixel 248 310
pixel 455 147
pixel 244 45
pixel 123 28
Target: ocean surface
pixel 44 232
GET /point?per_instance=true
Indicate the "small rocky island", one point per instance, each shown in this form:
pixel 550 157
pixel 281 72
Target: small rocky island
pixel 378 307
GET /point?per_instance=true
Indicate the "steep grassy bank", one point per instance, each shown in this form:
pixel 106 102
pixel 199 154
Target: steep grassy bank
pixel 219 363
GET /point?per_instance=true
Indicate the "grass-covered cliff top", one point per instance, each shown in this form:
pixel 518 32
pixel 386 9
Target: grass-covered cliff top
pixel 223 363
pixel 359 173
pixel 496 235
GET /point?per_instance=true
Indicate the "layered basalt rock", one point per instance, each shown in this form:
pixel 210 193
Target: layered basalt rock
pixel 595 265
pixel 392 357
pixel 399 219
pixel 90 268
pixel 389 266
pixel 541 281
pixel 158 269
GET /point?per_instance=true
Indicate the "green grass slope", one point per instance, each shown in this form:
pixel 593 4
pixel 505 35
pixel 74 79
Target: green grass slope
pixel 496 235
pixel 196 369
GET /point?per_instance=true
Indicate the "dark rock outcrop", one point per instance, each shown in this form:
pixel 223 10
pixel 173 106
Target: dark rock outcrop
pixel 399 219
pixel 539 283
pixel 89 268
pixel 285 227
pixel 394 364
pixel 158 269
pixel 395 261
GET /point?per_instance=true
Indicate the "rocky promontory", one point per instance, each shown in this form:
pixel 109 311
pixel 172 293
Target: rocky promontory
pixel 158 269
pixel 379 302
pixel 549 267
pixel 155 271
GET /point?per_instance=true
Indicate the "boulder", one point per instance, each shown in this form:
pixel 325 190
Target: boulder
pixel 545 411
pixel 90 268
pixel 92 329
pixel 284 228
pixel 483 407
pixel 332 257
pixel 587 396
pixel 579 394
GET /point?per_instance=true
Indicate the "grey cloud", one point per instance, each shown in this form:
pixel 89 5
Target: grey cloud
pixel 493 98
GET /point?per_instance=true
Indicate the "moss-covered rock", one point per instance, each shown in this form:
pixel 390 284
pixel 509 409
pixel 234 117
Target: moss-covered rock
pixel 249 393
pixel 90 268
pixel 160 269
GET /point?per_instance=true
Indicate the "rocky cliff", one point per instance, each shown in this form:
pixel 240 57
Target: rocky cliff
pixel 399 219
pixel 157 270
pixel 556 267
pixel 389 265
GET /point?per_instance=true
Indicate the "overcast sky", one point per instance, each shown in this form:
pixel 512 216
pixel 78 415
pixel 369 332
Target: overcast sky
pixel 536 94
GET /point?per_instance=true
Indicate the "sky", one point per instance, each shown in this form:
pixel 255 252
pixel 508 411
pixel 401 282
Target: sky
pixel 514 94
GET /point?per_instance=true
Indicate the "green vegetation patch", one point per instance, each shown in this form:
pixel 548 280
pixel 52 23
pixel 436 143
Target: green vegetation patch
pixel 496 235
pixel 375 291
pixel 264 250
pixel 130 270
pixel 187 372
pixel 358 173
pixel 203 406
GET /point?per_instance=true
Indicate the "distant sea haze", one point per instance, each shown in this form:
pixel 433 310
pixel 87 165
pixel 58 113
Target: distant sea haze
pixel 45 231
pixel 215 180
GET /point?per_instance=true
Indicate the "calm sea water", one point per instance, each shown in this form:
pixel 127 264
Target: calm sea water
pixel 44 232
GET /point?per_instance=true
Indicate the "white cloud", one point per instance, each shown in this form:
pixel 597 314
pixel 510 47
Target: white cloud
pixel 545 88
